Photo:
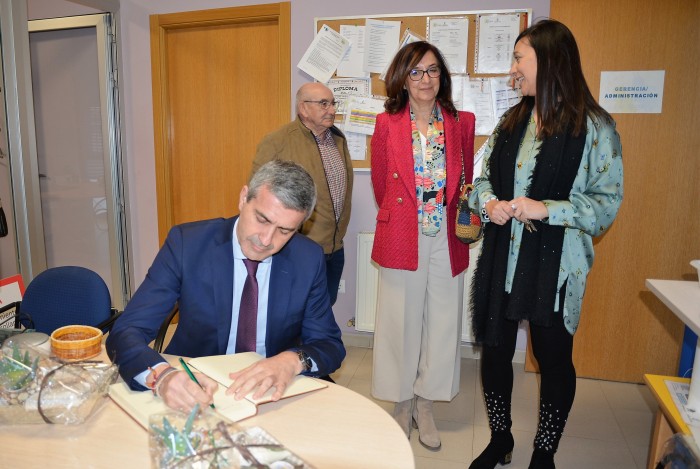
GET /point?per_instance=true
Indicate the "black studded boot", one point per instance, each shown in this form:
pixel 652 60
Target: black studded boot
pixel 541 460
pixel 549 431
pixel 500 448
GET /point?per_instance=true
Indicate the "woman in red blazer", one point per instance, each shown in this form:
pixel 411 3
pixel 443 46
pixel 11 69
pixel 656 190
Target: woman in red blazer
pixel 422 148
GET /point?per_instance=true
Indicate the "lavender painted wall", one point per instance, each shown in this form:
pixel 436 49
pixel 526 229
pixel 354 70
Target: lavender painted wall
pixel 135 92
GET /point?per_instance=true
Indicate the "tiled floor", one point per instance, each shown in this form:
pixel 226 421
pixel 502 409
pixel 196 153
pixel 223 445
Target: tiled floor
pixel 609 426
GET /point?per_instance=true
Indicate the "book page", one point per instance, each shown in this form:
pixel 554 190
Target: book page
pixel 218 367
pixel 142 404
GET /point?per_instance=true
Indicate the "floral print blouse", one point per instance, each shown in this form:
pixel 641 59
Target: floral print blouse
pixel 429 167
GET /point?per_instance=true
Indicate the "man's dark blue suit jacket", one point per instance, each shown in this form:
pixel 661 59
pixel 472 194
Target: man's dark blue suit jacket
pixel 195 268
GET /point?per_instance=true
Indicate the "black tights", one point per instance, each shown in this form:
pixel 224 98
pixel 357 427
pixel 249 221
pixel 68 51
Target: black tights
pixel 552 347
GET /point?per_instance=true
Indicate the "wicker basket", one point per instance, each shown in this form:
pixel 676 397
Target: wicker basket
pixel 76 342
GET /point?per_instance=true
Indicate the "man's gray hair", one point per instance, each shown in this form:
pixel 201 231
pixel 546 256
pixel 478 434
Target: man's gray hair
pixel 290 183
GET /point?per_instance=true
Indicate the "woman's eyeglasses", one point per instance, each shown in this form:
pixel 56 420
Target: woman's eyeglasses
pixel 324 103
pixel 417 75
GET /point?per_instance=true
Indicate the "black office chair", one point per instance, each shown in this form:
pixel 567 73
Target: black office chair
pixel 61 296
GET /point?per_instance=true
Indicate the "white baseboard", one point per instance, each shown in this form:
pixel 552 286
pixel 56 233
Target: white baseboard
pixel 468 350
pixel 359 340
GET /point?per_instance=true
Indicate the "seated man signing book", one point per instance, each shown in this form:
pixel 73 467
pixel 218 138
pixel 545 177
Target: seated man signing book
pixel 248 283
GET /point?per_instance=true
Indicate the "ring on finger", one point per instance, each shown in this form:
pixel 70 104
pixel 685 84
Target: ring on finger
pixel 513 206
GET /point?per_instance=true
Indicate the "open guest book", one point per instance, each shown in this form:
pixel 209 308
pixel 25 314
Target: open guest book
pixel 142 404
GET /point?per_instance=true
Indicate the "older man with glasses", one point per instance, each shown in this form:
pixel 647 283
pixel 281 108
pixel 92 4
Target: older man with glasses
pixel 312 141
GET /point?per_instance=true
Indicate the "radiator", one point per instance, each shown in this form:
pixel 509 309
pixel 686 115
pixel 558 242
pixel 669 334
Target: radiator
pixel 368 281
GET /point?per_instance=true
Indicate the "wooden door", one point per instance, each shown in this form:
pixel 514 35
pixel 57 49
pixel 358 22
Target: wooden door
pixel 625 330
pixel 221 81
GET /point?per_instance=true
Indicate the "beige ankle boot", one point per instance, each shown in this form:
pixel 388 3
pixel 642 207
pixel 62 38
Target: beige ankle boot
pixel 424 421
pixel 402 415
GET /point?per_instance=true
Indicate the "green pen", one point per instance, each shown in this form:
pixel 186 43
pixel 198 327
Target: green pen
pixel 191 375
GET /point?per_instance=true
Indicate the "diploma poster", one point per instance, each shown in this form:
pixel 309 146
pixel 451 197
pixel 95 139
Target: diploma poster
pixel 634 92
pixel 344 87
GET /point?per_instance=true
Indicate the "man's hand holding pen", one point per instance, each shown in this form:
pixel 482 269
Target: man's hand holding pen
pixel 180 392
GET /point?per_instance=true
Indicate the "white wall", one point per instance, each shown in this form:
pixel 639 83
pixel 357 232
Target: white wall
pixel 135 89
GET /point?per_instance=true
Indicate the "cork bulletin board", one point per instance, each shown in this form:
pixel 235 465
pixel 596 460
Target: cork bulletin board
pixel 418 24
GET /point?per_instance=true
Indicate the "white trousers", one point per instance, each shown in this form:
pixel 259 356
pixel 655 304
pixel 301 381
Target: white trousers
pixel 418 327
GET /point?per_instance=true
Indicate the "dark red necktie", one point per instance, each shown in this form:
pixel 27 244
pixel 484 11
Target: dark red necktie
pixel 248 312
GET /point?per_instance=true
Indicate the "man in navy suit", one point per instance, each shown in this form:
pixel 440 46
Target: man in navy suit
pixel 200 267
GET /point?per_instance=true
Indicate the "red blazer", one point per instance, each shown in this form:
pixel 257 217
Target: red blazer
pixel 393 180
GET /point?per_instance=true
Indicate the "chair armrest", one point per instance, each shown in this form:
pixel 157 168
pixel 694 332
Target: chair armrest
pixel 160 337
pixel 106 325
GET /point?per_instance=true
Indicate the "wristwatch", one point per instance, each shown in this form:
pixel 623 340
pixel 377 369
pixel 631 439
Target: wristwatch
pixel 305 360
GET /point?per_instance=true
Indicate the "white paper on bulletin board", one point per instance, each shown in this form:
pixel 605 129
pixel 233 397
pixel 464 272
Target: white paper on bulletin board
pixel 362 114
pixel 495 38
pixel 324 54
pixel 632 92
pixel 450 35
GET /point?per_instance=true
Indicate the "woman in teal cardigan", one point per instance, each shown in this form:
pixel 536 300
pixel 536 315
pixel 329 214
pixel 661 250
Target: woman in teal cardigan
pixel 552 179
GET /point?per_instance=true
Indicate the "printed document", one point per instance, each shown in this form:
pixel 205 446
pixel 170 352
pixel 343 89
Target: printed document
pixel 679 395
pixel 450 36
pixel 351 65
pixel 362 114
pixel 381 39
pixel 357 144
pixel 324 54
pixel 494 42
pixel 476 98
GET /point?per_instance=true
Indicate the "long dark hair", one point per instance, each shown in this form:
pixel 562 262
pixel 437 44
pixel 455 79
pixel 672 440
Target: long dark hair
pixel 563 99
pixel 404 61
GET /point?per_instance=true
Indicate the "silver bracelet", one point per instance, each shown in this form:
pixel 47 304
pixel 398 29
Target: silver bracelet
pixel 160 380
pixel 484 213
